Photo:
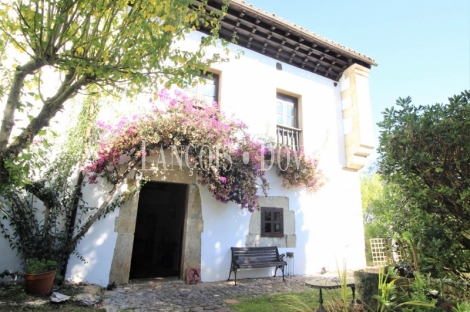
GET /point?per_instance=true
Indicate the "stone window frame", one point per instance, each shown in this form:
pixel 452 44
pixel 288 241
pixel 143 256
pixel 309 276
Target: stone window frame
pixel 254 238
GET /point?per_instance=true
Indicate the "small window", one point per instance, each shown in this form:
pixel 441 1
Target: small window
pixel 207 91
pixel 286 109
pixel 272 222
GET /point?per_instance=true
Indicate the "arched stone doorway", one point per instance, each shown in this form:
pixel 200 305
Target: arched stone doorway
pixel 126 221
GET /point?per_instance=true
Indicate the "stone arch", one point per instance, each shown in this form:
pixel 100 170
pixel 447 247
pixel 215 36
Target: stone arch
pixel 125 227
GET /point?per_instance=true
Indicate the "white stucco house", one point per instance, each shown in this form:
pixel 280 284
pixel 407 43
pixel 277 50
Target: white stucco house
pixel 291 86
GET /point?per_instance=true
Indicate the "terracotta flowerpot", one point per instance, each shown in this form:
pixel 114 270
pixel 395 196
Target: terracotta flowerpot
pixel 39 284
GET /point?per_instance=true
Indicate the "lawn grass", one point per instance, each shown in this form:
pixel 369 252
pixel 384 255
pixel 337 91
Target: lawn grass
pixel 302 301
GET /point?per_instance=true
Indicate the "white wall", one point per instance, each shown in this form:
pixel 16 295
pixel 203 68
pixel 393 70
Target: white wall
pixel 9 260
pixel 328 227
pixel 328 224
pixel 97 247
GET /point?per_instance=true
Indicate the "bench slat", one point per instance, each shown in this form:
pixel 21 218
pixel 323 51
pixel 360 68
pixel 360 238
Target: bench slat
pixel 256 257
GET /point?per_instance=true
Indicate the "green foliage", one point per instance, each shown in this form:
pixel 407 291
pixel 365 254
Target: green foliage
pixel 376 199
pixel 367 285
pixel 13 292
pixel 38 220
pixel 119 47
pixel 36 266
pixel 303 301
pixel 386 292
pixel 342 275
pixel 462 307
pixel 425 153
pixel 418 295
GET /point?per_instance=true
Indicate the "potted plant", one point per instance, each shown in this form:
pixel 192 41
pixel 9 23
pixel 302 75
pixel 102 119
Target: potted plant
pixel 39 276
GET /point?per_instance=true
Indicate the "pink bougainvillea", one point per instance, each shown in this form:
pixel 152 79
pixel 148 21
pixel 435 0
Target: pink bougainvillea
pixel 226 158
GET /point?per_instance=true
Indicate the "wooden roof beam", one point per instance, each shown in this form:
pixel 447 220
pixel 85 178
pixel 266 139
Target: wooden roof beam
pixel 291 58
pixel 264 46
pixel 249 41
pixel 305 62
pixel 294 59
pixel 288 52
pixel 278 35
pixel 236 10
pixel 265 43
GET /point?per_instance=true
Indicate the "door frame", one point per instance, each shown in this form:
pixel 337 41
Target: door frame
pixel 126 221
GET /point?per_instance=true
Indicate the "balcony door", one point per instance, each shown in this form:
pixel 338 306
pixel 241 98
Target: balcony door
pixel 287 120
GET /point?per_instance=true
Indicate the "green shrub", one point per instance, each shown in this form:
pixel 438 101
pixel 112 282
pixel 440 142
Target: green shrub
pixel 36 266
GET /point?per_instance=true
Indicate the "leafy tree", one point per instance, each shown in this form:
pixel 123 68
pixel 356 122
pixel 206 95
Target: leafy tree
pixel 425 152
pixel 421 239
pixel 110 48
pixel 373 209
pixel 100 47
pixel 105 46
pixel 42 214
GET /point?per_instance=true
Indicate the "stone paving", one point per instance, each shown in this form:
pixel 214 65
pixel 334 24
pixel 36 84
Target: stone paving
pixel 174 295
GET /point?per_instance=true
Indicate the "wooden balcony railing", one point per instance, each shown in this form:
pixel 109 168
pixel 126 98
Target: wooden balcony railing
pixel 288 136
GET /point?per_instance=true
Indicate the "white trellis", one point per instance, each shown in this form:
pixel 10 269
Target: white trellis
pixel 380 251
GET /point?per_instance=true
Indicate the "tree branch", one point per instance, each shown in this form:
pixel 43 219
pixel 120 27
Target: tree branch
pixel 103 207
pixel 50 108
pixel 13 100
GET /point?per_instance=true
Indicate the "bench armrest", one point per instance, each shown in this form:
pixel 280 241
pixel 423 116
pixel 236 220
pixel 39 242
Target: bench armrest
pixel 281 257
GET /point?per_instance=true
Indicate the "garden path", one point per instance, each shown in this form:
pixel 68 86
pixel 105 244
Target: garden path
pixel 174 295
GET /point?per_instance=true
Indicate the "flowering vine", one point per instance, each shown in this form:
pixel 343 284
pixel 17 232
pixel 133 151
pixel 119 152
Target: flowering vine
pixel 227 160
pixel 298 169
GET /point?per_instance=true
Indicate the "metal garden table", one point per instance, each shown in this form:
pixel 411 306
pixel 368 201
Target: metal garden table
pixel 329 283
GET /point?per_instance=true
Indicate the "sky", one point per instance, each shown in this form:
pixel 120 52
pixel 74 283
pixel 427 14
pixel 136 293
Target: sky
pixel 422 47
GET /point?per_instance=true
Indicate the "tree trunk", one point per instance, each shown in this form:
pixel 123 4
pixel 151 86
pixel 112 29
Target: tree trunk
pixel 103 207
pixel 13 99
pixel 48 111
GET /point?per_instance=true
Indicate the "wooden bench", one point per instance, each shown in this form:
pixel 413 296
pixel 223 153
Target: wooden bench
pixel 256 257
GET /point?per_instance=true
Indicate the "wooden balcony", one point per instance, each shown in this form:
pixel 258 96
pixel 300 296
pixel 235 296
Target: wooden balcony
pixel 288 136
